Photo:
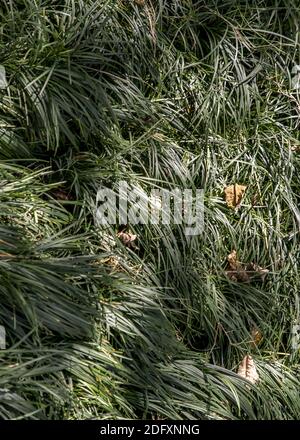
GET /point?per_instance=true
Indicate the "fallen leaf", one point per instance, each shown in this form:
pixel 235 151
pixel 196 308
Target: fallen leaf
pixel 236 271
pixel 127 239
pixel 254 270
pixel 247 369
pixel 234 195
pixel 295 148
pixel 111 261
pixel 140 2
pixel 61 194
pixel 232 260
pixel 256 336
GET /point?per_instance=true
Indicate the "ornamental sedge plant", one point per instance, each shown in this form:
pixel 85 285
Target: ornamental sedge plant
pixel 167 94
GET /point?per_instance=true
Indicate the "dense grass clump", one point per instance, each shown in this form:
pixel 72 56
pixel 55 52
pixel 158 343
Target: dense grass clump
pixel 164 93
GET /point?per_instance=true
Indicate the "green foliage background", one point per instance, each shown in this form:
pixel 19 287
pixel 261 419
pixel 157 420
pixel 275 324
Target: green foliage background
pixel 193 94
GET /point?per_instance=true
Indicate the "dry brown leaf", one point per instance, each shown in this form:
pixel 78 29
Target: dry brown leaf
pixel 295 148
pixel 254 270
pixel 234 195
pixel 127 239
pixel 237 271
pixel 140 2
pixel 256 336
pixel 232 260
pixel 238 275
pixel 112 262
pixel 247 369
pixel 61 194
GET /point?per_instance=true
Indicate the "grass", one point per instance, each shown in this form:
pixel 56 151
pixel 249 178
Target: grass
pixel 188 94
